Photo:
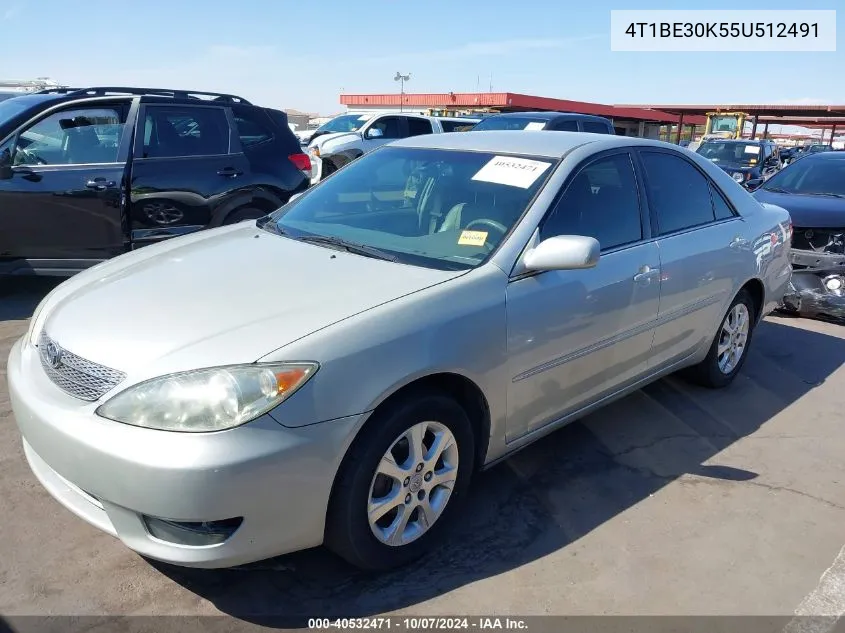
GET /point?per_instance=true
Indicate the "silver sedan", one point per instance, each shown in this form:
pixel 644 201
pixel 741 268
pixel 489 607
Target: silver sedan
pixel 335 372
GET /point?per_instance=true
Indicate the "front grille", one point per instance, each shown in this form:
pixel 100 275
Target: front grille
pixel 75 375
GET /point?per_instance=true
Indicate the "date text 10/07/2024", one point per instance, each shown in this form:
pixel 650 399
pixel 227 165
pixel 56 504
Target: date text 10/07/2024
pixel 418 623
pixel 723 29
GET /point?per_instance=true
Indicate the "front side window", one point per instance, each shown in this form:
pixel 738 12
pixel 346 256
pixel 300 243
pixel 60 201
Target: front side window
pixel 436 208
pixel 182 131
pixel 566 125
pixel 71 137
pixel 680 194
pixel 595 127
pixel 390 127
pixel 601 201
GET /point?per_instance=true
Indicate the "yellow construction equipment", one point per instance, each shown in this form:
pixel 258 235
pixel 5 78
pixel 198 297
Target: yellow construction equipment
pixel 724 125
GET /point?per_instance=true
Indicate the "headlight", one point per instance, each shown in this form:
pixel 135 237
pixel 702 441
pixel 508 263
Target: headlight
pixel 207 399
pixel 738 176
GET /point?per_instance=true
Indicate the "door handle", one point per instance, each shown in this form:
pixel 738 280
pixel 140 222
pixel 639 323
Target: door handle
pixel 100 184
pixel 229 172
pixel 738 242
pixel 646 274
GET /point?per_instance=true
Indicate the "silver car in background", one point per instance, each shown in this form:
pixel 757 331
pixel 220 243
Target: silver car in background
pixel 337 371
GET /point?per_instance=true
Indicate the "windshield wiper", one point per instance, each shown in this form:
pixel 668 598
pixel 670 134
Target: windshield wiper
pixel 349 247
pixel 825 193
pixel 271 227
pixel 776 190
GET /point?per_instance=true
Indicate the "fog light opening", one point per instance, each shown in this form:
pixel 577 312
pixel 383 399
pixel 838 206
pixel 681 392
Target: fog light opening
pixel 834 283
pixel 192 533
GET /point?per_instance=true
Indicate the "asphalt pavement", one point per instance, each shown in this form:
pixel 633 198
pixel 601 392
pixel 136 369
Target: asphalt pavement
pixel 676 500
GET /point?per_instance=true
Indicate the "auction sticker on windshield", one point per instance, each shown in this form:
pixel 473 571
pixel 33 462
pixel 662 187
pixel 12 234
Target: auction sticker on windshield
pixel 472 238
pixel 515 172
pixel 751 149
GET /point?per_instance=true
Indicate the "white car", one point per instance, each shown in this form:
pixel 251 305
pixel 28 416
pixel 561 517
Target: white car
pixel 349 136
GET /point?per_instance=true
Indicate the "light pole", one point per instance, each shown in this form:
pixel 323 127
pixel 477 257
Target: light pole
pixel 401 79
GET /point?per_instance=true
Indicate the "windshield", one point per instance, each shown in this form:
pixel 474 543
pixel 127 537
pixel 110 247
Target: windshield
pixel 819 148
pixel 510 123
pixel 345 123
pixel 435 208
pixel 736 153
pixel 810 176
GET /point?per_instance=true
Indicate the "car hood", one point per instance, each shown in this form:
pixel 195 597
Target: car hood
pixel 809 212
pixel 339 137
pixel 733 166
pixel 231 296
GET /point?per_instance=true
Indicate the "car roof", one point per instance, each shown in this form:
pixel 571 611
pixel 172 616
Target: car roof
pixel 532 143
pixel 546 115
pixel 832 155
pixel 756 141
pixel 31 99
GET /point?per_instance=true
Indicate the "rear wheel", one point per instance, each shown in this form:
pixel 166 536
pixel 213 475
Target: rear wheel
pixel 245 213
pixel 401 485
pixel 729 348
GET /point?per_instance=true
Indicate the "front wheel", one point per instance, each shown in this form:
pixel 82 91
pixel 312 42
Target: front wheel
pixel 729 348
pixel 401 485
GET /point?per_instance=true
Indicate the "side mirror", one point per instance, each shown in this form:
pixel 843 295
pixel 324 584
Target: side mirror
pixel 374 132
pixel 563 252
pixel 753 183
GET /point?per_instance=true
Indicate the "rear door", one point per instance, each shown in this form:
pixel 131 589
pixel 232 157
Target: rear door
pixel 60 188
pixel 701 250
pixel 188 162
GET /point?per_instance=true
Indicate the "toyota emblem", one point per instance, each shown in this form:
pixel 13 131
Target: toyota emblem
pixel 54 355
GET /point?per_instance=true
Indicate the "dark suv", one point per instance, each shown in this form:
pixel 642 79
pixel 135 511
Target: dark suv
pixel 555 121
pixel 87 174
pixel 748 162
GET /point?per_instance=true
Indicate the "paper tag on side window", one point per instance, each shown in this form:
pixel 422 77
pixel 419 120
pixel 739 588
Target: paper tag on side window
pixel 472 238
pixel 751 149
pixel 535 125
pixel 515 172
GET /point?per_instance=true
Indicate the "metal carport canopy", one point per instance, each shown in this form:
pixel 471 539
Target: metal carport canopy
pixel 803 115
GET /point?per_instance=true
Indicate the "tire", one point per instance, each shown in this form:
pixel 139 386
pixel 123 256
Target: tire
pixel 242 214
pixel 328 169
pixel 349 533
pixel 709 372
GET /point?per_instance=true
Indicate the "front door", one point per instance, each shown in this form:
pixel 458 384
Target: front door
pixel 187 165
pixel 383 130
pixel 575 336
pixel 60 185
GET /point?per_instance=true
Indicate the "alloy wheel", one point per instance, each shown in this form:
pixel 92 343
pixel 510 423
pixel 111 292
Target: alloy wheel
pixel 413 483
pixel 733 338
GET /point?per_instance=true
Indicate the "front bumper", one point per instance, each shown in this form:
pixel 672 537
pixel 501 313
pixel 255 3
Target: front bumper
pixel 113 475
pixel 807 294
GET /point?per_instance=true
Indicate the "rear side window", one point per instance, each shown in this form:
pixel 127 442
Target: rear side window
pixel 456 126
pixel 595 127
pixel 680 194
pixel 418 127
pixel 181 131
pixel 251 129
